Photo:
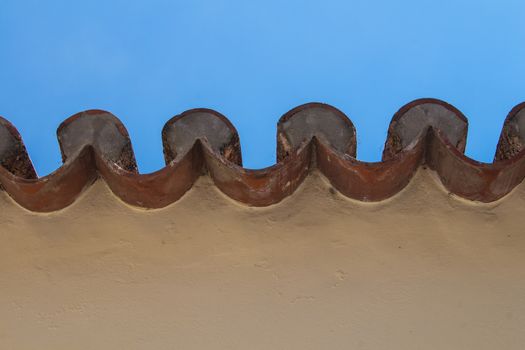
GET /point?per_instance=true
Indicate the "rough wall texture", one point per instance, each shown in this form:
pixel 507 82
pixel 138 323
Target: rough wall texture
pixel 422 270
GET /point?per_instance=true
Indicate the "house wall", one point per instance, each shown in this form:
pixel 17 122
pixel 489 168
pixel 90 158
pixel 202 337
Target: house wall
pixel 422 270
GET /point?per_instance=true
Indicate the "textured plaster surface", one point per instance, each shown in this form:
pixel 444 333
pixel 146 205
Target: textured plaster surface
pixel 422 270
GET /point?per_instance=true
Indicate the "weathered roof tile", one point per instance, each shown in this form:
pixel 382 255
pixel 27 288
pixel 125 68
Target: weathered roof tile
pixel 427 131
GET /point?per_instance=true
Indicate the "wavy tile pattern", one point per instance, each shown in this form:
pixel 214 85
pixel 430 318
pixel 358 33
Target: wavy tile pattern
pixel 429 132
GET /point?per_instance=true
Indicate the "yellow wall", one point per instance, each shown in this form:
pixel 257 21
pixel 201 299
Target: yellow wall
pixel 423 270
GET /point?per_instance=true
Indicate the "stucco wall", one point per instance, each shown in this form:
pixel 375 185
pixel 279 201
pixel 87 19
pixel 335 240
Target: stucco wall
pixel 423 270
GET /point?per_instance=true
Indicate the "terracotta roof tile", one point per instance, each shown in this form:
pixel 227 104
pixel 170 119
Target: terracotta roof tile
pixel 425 132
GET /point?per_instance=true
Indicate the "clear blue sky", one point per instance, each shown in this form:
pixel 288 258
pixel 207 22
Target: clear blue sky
pixel 146 61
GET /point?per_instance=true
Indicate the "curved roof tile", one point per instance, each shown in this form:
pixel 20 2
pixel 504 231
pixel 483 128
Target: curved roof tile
pixel 425 132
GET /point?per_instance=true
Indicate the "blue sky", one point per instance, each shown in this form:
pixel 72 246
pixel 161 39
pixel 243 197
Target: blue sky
pixel 146 61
